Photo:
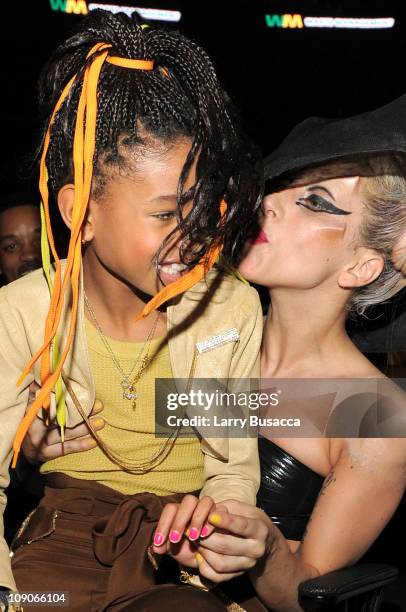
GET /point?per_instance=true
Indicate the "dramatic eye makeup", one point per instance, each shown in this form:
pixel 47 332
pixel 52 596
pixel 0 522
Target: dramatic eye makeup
pixel 318 204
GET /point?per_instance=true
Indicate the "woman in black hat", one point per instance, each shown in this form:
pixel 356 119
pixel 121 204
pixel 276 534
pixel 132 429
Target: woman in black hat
pixel 331 241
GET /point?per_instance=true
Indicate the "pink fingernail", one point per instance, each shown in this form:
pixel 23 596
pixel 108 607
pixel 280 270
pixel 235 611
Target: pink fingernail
pixel 204 532
pixel 193 533
pixel 174 537
pixel 158 539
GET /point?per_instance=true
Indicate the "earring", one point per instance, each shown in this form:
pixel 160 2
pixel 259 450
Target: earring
pixel 83 241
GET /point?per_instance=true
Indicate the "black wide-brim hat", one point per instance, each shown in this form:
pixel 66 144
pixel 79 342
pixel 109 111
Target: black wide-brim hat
pixel 354 140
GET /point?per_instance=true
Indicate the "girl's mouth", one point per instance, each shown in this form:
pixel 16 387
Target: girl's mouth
pixel 171 271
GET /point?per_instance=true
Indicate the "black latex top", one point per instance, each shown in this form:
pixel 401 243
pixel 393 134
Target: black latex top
pixel 288 489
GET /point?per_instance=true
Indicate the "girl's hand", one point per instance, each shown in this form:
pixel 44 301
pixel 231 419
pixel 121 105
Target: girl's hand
pixel 188 518
pixel 245 539
pixel 44 443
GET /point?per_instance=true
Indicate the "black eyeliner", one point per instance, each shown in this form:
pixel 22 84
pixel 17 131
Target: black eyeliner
pixel 325 205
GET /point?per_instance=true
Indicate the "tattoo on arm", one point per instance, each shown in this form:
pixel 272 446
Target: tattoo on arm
pixel 330 478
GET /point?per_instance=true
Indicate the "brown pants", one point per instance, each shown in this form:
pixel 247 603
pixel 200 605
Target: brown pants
pixel 91 542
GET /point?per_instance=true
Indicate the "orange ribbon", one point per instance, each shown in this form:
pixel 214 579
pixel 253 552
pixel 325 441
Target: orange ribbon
pixel 83 152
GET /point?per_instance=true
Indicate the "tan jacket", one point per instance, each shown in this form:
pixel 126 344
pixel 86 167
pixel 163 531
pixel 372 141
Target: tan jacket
pixel 231 467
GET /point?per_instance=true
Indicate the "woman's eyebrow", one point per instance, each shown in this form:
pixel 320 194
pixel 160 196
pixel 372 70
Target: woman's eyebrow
pixel 321 188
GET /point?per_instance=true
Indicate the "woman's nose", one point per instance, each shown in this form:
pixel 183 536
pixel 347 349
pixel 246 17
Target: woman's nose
pixel 269 208
pixel 270 212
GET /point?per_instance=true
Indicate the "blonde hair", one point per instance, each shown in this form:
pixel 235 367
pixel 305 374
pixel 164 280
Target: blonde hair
pixel 382 228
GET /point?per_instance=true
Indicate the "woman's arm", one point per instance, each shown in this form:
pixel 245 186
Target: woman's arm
pixel 249 541
pixel 356 501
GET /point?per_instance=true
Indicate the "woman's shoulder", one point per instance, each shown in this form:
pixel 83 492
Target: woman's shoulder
pixel 386 456
pixel 370 406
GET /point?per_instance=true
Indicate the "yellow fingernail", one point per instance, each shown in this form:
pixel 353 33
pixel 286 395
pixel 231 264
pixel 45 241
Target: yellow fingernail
pixel 215 519
pixel 92 444
pixel 98 422
pixel 199 558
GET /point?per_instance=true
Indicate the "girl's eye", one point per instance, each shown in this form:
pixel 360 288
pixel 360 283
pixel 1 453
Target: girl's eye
pixel 9 248
pixel 165 216
pixel 316 203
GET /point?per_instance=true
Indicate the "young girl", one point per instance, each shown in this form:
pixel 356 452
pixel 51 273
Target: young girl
pixel 146 162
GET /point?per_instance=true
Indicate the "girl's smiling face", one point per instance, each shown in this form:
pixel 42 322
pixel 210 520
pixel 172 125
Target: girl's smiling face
pixel 128 223
pixel 308 235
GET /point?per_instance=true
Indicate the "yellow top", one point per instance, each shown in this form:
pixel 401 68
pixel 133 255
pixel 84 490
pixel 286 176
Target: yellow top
pixel 131 433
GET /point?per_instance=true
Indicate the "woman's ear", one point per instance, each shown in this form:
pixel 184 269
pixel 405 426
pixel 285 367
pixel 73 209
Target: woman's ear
pixel 399 254
pixel 363 270
pixel 66 198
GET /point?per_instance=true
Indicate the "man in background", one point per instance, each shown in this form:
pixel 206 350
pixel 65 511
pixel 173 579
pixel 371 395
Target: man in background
pixel 20 233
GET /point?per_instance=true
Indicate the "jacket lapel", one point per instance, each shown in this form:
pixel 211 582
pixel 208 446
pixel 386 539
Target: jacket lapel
pixel 201 346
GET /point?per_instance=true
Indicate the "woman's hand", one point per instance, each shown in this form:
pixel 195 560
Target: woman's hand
pixel 243 538
pixel 43 443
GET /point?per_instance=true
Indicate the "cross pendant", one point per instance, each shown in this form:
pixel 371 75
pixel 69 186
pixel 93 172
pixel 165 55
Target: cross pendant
pixel 130 395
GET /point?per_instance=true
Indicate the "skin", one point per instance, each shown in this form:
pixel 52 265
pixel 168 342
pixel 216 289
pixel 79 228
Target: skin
pixel 44 443
pixel 20 241
pixel 124 229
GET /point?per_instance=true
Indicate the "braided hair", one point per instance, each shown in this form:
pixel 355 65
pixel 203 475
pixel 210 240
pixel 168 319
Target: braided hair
pixel 180 98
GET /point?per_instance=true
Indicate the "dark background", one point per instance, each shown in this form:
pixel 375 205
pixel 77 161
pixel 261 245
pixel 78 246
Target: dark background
pixel 276 77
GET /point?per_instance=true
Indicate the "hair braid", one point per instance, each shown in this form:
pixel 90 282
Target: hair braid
pixel 180 98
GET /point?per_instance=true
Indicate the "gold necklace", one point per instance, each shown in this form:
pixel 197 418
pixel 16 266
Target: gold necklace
pixel 128 386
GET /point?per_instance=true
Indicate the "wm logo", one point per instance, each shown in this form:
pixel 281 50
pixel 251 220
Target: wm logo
pixel 284 21
pixel 78 7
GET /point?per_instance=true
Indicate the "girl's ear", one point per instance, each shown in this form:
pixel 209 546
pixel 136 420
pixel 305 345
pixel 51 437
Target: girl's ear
pixel 66 198
pixel 363 270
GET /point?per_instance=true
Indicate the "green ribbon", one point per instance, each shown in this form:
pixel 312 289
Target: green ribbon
pixel 46 265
